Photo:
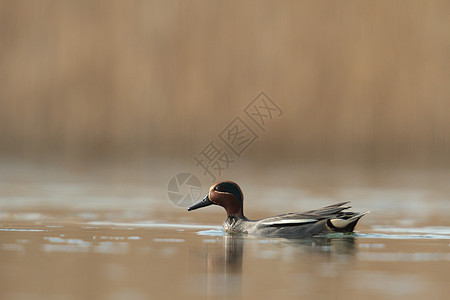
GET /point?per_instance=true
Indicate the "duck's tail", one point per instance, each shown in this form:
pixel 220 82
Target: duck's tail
pixel 345 223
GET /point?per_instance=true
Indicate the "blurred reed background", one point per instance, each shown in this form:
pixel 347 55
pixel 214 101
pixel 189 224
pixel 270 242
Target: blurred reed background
pixel 358 81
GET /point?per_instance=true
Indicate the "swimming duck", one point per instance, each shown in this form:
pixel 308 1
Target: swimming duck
pixel 311 223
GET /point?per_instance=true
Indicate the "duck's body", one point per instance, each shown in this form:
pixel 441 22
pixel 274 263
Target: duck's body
pixel 299 225
pixel 321 221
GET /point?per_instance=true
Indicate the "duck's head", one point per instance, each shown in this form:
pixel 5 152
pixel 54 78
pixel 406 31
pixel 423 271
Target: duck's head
pixel 226 194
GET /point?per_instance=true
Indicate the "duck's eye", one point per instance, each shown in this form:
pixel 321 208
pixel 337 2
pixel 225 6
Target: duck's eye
pixel 217 188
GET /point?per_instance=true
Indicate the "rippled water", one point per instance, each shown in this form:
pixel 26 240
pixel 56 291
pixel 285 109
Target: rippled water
pixel 91 239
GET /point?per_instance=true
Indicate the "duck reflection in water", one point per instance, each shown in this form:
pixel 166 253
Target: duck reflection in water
pixel 225 262
pixel 224 267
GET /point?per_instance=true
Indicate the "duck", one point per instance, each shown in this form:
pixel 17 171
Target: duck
pixel 312 223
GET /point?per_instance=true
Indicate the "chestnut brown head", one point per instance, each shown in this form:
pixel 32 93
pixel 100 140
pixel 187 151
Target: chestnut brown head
pixel 226 194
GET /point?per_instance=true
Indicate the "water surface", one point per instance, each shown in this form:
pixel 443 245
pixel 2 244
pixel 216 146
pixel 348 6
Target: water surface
pixel 77 238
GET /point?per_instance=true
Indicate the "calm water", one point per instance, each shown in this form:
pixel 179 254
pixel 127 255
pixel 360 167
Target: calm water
pixel 78 235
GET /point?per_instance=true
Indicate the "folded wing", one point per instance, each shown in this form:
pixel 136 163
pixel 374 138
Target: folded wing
pixel 334 213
